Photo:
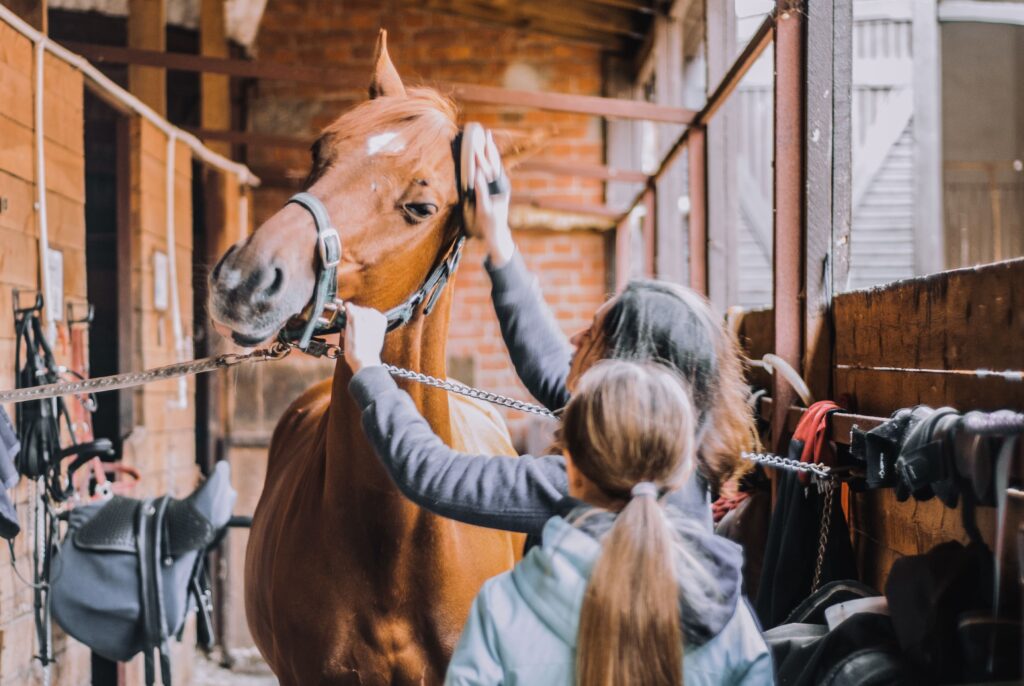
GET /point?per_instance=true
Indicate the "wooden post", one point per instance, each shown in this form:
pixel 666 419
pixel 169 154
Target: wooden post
pixel 698 210
pixel 929 235
pixel 32 11
pixel 147 30
pixel 672 263
pixel 829 73
pixel 214 89
pixel 722 215
pixel 788 253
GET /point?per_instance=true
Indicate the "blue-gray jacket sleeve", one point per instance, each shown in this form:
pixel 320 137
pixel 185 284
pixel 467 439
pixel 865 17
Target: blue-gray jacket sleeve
pixel 500 492
pixel 539 350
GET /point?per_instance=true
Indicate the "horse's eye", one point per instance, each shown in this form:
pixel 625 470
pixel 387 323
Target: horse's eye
pixel 418 211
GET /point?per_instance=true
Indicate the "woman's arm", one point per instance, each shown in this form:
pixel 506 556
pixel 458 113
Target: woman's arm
pixel 539 350
pixel 513 494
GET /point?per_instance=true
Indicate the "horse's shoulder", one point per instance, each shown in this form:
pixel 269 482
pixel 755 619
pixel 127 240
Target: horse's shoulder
pixel 310 405
pixel 478 427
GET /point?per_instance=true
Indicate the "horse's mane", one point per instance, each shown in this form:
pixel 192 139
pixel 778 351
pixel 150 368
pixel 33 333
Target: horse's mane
pixel 423 117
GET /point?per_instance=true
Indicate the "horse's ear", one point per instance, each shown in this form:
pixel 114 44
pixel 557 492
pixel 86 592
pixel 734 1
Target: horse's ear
pixel 518 146
pixel 385 81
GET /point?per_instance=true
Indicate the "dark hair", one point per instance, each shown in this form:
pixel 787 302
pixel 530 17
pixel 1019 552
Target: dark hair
pixel 674 325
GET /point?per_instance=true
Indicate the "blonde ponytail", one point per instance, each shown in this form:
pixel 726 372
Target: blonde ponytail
pixel 629 626
pixel 629 429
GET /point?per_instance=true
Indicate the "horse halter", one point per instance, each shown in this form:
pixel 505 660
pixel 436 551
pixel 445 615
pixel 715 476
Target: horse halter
pixel 326 314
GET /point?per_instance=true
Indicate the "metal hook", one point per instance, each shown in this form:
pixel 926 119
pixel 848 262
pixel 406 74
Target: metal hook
pixel 37 306
pixel 772 363
pixel 90 313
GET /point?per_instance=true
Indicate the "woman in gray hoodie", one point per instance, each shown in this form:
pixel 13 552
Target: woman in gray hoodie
pixel 648 320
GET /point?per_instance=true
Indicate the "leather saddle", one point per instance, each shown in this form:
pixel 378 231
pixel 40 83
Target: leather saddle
pixel 129 571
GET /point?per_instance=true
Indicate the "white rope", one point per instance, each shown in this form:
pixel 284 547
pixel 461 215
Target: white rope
pixel 172 271
pixel 208 156
pixel 44 235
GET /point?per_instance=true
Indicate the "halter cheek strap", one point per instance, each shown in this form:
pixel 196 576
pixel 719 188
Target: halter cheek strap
pixel 328 245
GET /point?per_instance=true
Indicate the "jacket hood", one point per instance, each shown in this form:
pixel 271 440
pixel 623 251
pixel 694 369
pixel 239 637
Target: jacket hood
pixel 553 577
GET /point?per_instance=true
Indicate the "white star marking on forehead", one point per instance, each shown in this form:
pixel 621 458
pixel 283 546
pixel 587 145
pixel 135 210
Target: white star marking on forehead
pixel 384 142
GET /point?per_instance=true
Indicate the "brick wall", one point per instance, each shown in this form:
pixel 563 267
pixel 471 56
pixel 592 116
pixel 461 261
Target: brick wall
pixel 429 47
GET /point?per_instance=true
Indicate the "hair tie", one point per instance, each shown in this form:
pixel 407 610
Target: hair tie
pixel 643 488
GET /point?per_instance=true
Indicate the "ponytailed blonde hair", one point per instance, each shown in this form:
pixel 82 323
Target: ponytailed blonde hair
pixel 631 422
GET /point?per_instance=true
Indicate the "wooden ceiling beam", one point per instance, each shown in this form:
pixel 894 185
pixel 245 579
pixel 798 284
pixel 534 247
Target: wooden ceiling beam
pixel 639 6
pixel 534 20
pixel 613 108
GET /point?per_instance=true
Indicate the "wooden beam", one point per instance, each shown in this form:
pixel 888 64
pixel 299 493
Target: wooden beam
pixel 147 30
pixel 529 15
pixel 613 108
pixel 639 6
pixel 929 253
pixel 214 89
pixel 253 69
pixel 269 140
pixel 32 11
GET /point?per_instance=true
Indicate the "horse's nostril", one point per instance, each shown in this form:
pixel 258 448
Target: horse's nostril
pixel 275 286
pixel 220 263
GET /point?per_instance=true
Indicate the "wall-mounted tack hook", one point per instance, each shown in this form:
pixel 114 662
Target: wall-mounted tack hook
pixel 74 315
pixel 20 309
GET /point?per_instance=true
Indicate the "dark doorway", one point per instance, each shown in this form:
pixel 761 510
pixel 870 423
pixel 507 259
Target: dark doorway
pixel 108 260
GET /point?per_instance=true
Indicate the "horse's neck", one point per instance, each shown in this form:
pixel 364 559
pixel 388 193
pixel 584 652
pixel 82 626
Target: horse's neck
pixel 351 465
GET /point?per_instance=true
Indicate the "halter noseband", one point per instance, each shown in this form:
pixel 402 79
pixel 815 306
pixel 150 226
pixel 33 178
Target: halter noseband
pixel 326 312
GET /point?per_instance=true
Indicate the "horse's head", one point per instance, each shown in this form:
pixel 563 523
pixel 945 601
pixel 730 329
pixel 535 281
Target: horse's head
pixel 385 173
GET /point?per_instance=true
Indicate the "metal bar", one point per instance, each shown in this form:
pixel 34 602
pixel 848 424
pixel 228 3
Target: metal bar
pixel 615 108
pixel 696 157
pixel 650 232
pixel 602 211
pixel 840 423
pixel 583 170
pixel 753 50
pixel 788 192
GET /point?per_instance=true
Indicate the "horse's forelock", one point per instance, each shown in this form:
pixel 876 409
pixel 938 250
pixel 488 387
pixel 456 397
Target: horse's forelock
pixel 424 118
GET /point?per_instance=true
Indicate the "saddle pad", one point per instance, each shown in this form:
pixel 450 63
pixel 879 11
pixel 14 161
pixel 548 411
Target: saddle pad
pixel 112 529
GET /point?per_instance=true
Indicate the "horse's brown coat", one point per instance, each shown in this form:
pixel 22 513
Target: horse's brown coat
pixel 347 582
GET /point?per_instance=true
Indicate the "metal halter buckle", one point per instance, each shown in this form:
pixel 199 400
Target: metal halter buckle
pixel 329 245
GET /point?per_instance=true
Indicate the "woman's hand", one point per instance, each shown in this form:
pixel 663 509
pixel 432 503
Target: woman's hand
pixel 364 336
pixel 490 217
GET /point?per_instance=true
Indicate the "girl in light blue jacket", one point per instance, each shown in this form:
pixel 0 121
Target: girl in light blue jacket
pixel 624 591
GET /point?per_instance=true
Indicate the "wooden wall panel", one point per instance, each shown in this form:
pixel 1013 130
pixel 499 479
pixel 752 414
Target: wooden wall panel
pixel 19 267
pixel 961 320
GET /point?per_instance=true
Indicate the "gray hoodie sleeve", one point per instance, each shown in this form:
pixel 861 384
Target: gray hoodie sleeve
pixel 513 494
pixel 539 350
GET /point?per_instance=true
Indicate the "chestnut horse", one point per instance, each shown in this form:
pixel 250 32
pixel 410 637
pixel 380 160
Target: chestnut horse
pixel 347 582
